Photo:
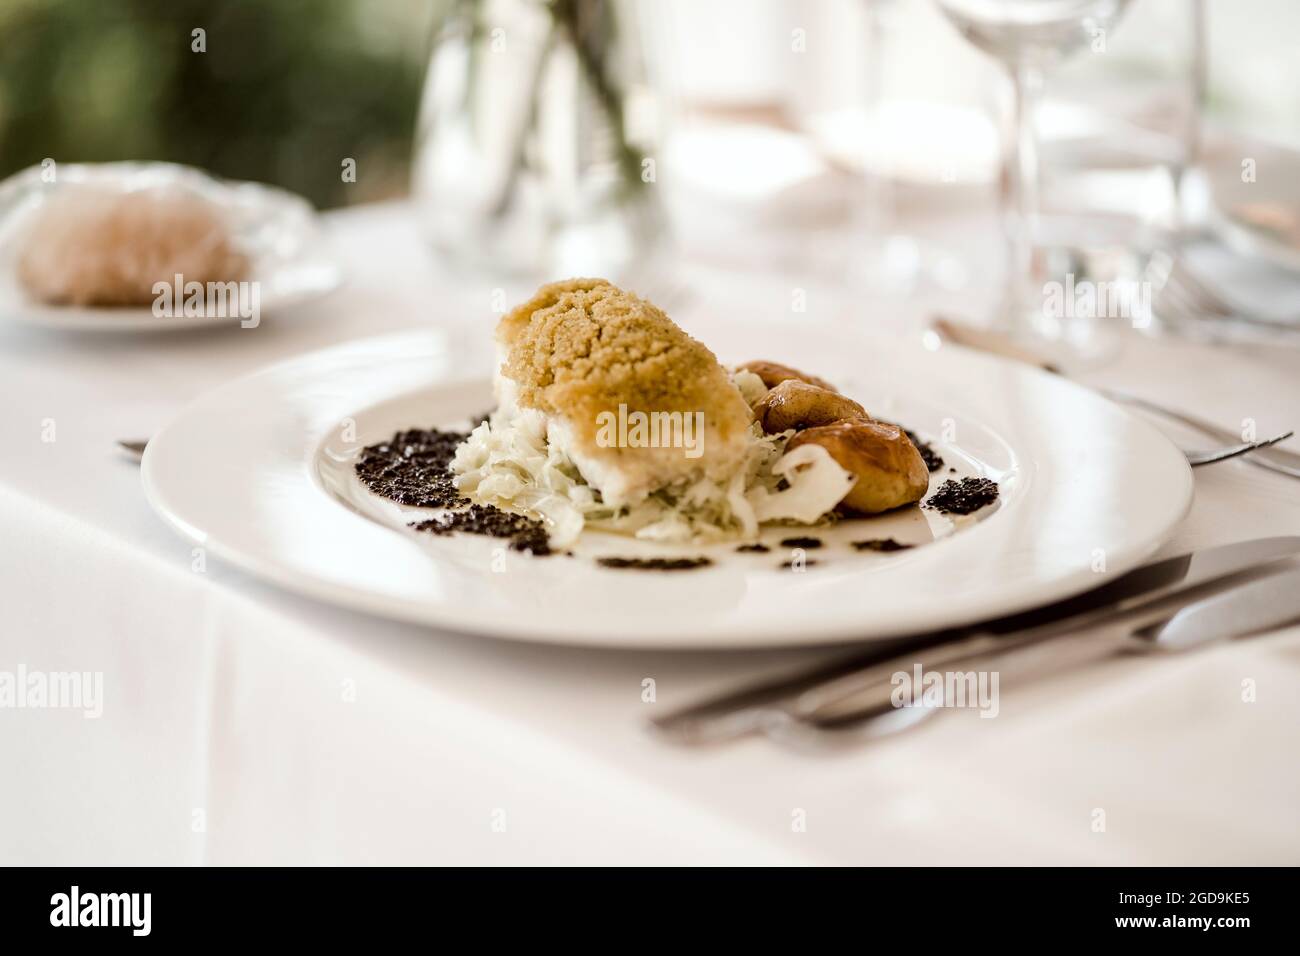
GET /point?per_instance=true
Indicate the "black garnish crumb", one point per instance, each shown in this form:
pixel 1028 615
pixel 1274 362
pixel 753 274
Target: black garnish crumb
pixel 790 564
pixel 754 548
pixel 880 544
pixel 805 543
pixel 952 471
pixel 535 541
pixel 963 497
pixel 411 468
pixel 525 534
pixel 654 564
pixel 933 460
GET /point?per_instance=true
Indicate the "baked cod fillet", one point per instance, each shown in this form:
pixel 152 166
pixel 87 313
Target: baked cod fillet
pixel 589 355
pixel 582 366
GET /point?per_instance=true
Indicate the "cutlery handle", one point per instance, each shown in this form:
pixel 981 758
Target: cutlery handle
pixel 1023 656
pixel 993 342
pixel 980 665
pixel 866 686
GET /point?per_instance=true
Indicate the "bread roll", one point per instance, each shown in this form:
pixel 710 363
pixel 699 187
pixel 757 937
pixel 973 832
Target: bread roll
pixel 103 248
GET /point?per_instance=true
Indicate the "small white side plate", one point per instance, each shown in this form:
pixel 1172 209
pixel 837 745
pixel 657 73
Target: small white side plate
pixel 291 261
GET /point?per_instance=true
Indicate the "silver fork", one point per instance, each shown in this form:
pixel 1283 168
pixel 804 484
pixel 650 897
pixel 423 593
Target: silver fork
pixel 1274 459
pixel 1196 458
pixel 1277 459
pixel 1189 297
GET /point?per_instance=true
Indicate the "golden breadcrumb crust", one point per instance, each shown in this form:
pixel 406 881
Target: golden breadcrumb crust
pixel 517 319
pixel 583 346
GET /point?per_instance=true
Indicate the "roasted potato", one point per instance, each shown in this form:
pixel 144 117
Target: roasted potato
pixel 773 375
pixel 889 470
pixel 796 404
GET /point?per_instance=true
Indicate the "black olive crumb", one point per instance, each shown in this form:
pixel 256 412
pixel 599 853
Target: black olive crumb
pixel 654 564
pixel 933 460
pixel 753 549
pixel 413 468
pixel 807 564
pixel 963 497
pixel 880 544
pixel 805 543
pixel 525 534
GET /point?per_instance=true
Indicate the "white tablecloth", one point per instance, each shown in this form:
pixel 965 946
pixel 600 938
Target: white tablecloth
pixel 244 725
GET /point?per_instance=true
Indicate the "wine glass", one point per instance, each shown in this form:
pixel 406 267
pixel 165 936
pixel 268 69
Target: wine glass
pixel 1027 37
pixel 894 261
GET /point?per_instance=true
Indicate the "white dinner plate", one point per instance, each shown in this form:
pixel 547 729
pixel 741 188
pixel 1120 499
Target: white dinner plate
pixel 258 472
pixel 280 231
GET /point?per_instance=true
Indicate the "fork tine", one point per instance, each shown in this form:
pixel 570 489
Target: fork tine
pixel 1185 300
pixel 1210 300
pixel 1194 298
pixel 1197 458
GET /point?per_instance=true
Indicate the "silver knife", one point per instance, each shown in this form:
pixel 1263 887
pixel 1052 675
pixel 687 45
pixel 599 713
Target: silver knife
pixel 1250 608
pixel 738 713
pixel 842 699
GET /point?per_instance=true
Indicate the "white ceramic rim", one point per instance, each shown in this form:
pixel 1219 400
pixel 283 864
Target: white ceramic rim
pixel 208 478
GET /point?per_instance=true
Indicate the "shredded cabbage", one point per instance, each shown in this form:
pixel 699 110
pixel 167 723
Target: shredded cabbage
pixel 509 462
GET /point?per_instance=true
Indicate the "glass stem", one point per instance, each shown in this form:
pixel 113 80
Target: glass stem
pixel 1197 80
pixel 1018 188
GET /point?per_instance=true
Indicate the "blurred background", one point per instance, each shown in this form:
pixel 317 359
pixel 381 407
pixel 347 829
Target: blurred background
pixel 286 88
pixel 846 142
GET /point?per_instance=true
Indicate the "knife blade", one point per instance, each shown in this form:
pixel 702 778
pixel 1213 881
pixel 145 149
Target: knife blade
pixel 738 713
pixel 1261 605
pixel 1244 609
